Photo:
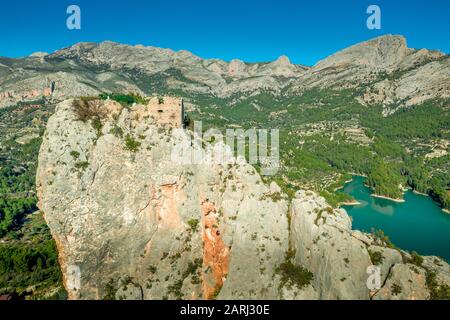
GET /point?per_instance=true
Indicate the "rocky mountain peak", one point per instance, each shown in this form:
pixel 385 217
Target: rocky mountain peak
pixel 282 67
pixel 187 56
pixel 388 39
pixel 38 54
pixel 382 52
pixel 283 61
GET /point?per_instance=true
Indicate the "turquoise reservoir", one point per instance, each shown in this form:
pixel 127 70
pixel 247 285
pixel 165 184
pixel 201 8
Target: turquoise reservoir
pixel 418 224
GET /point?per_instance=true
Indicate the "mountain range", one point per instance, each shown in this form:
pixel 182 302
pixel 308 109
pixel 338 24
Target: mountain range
pixel 384 69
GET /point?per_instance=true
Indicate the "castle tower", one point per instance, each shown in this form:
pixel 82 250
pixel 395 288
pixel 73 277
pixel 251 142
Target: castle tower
pixel 167 111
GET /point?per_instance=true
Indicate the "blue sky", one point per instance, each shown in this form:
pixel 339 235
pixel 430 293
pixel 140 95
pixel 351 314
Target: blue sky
pixel 262 30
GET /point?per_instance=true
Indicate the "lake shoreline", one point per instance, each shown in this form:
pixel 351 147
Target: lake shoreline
pixel 355 203
pixel 375 195
pixel 447 211
pixel 420 193
pixel 343 185
pixel 417 224
pixel 350 203
pixel 406 189
pixel 388 198
pixel 358 175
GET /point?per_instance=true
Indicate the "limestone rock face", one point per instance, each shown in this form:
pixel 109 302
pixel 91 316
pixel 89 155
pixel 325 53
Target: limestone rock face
pixel 191 231
pixel 308 293
pixel 341 259
pixel 127 290
pixel 439 267
pixel 394 75
pixel 236 68
pixel 133 222
pixel 282 67
pixel 406 282
pixel 389 257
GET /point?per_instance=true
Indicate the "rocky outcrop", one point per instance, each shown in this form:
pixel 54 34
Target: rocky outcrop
pixel 131 222
pixel 387 259
pixel 27 95
pixel 174 231
pixel 405 282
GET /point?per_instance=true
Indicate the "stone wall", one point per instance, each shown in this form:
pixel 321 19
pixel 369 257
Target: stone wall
pixel 167 110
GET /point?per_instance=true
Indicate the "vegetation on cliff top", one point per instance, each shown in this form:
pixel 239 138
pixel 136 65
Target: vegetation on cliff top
pixel 292 274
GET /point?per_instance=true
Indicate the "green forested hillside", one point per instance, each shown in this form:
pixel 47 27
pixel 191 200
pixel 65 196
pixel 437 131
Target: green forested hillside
pixel 28 256
pixel 319 147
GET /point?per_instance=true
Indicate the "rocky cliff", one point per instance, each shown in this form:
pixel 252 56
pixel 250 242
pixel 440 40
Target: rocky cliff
pixel 131 223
